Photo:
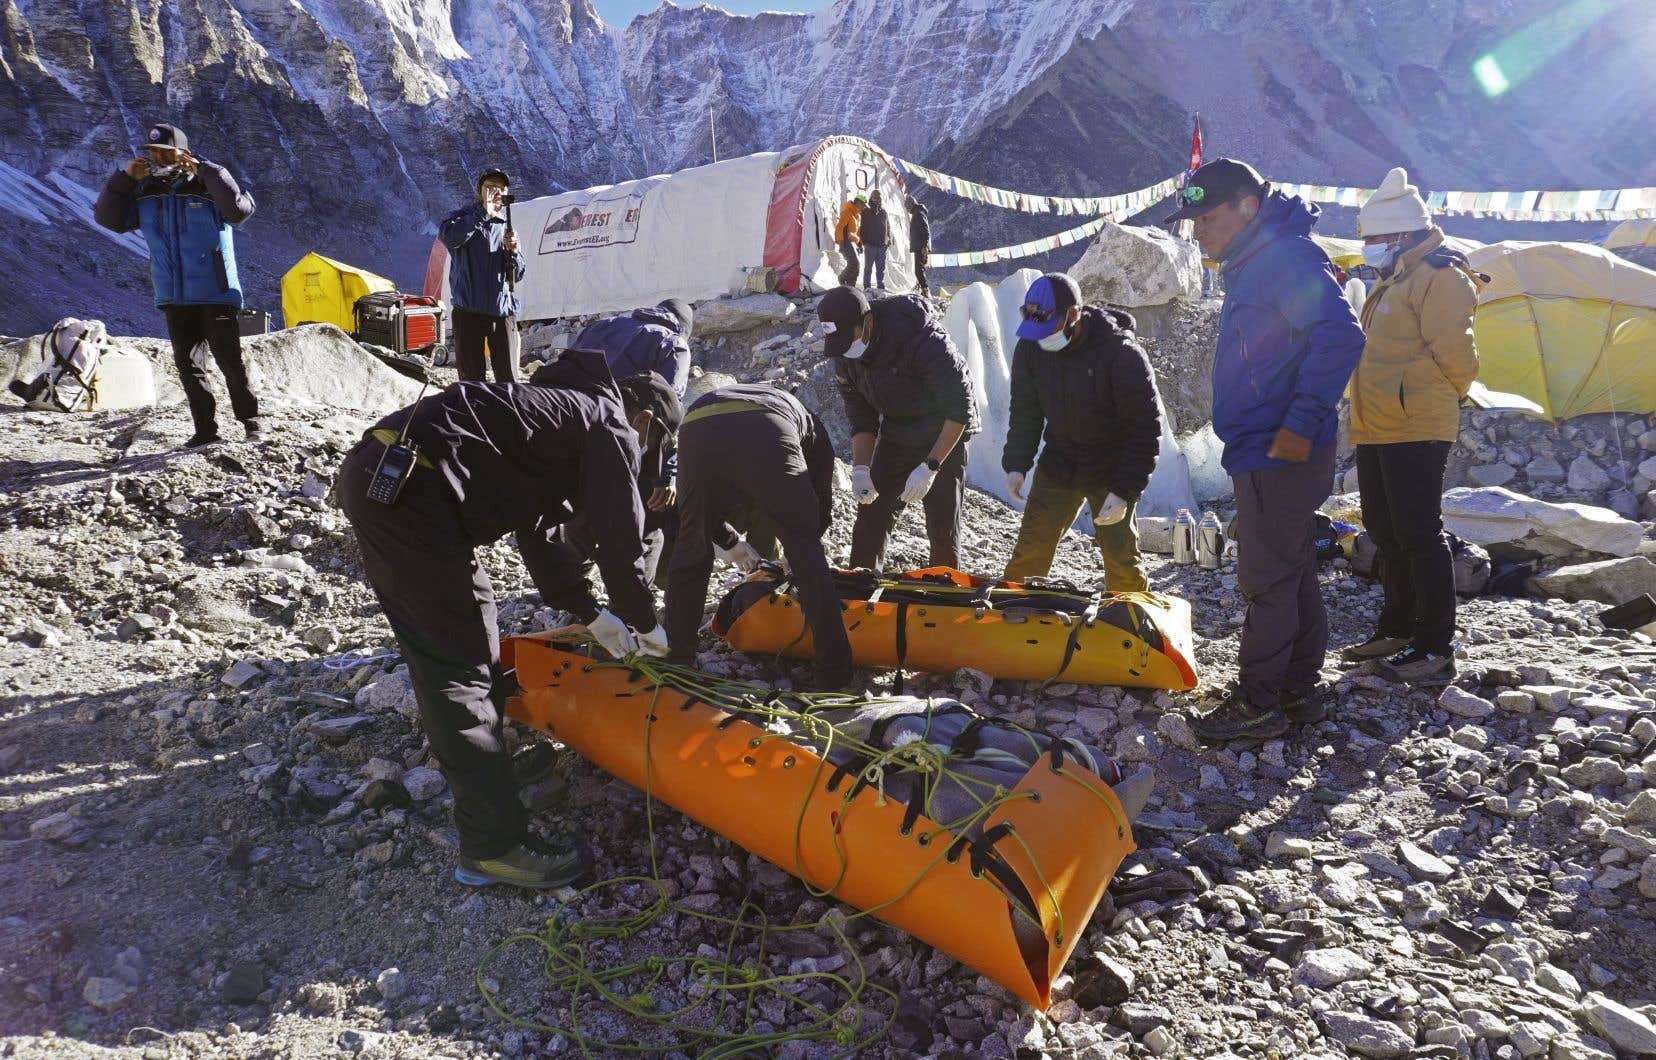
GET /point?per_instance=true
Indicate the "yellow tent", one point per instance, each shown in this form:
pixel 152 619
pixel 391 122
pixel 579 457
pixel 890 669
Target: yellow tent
pixel 321 290
pixel 1570 326
pixel 1640 232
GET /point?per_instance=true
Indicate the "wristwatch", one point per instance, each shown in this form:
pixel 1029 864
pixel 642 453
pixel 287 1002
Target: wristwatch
pixel 933 464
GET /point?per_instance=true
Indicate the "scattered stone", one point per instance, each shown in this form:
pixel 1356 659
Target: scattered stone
pixel 1627 1029
pixel 104 993
pixel 1593 771
pixel 1492 474
pixel 728 316
pixel 1463 704
pixel 58 827
pixel 258 754
pixel 243 983
pixel 1278 845
pixel 338 730
pixel 1509 523
pixel 1366 1036
pixel 1424 865
pixel 1610 581
pixel 242 674
pixel 1102 980
pixel 393 984
pixel 1323 969
pixel 423 783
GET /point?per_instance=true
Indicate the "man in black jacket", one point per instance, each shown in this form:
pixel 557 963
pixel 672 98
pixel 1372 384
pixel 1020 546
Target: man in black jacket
pixel 876 241
pixel 919 243
pixel 496 458
pixel 908 395
pixel 754 445
pixel 1079 374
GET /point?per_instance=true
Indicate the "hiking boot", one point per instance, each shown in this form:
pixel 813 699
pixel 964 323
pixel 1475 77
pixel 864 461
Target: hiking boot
pixel 203 438
pixel 1237 719
pixel 255 428
pixel 1376 647
pixel 1411 666
pixel 533 863
pixel 1307 707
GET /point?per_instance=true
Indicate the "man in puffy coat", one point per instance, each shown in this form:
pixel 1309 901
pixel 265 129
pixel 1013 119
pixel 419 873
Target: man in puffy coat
pixel 908 395
pixel 876 241
pixel 1288 342
pixel 1418 363
pixel 482 252
pixel 848 234
pixel 493 459
pixel 1082 383
pixel 920 243
pixel 185 207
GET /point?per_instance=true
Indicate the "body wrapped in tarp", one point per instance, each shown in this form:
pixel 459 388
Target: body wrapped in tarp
pixel 941 619
pixel 990 842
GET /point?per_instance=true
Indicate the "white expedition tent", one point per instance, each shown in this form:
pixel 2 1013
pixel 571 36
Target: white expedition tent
pixel 696 234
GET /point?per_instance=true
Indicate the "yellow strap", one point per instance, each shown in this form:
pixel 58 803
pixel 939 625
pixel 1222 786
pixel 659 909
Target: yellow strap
pixel 387 436
pixel 719 408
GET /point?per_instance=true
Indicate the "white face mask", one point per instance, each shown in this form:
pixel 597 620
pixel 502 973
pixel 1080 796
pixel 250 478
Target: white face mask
pixel 1053 342
pixel 1379 255
pixel 855 351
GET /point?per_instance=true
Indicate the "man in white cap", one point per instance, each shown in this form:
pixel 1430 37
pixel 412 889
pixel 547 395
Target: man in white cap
pixel 1418 363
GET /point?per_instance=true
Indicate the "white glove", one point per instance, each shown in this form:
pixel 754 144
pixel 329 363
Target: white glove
pixel 1015 486
pixel 1112 512
pixel 654 642
pixel 613 635
pixel 741 555
pixel 862 484
pixel 919 483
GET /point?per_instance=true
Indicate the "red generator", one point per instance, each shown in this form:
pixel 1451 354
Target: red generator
pixel 404 323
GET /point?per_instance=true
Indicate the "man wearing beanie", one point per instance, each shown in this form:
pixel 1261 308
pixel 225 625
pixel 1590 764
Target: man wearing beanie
pixel 1418 363
pixel 1082 384
pixel 1287 345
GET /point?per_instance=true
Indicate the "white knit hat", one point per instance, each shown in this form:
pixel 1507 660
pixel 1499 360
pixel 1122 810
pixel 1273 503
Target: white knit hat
pixel 1396 206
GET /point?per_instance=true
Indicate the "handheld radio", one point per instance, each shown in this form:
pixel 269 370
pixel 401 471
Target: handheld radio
pixel 396 464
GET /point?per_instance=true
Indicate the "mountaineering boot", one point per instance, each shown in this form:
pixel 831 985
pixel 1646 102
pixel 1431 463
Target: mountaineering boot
pixel 1412 666
pixel 203 438
pixel 1376 647
pixel 533 863
pixel 1306 707
pixel 1238 719
pixel 1134 792
pixel 255 428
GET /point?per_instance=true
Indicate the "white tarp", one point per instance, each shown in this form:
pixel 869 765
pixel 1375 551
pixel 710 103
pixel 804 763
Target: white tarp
pixel 983 325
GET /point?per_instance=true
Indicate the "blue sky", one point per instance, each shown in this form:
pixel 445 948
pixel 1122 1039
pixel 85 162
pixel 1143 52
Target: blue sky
pixel 621 12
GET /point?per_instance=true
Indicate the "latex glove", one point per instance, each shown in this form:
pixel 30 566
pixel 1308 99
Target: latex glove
pixel 613 635
pixel 862 485
pixel 1015 486
pixel 741 555
pixel 919 483
pixel 654 642
pixel 1112 512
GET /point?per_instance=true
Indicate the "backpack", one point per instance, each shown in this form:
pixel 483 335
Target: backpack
pixel 69 355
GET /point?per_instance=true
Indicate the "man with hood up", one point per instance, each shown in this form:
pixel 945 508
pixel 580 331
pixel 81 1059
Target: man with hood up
pixel 908 395
pixel 920 243
pixel 1288 342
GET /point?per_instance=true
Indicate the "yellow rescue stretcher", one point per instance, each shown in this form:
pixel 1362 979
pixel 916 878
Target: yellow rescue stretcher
pixel 1011 903
pixel 941 619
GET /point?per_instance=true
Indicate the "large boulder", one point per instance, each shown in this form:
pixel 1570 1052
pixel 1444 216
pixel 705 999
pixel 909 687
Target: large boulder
pixel 1512 526
pixel 729 316
pixel 1131 266
pixel 1611 581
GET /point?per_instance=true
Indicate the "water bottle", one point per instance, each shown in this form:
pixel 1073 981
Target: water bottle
pixel 1184 537
pixel 1210 542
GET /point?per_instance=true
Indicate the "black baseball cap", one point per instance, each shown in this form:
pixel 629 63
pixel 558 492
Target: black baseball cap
pixel 167 136
pixel 1213 185
pixel 841 312
pixel 493 174
pixel 648 390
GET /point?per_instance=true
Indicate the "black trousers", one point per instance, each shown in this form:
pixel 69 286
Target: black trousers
pixel 471 332
pixel 219 327
pixel 441 607
pixel 560 562
pixel 848 275
pixel 1402 490
pixel 891 466
pixel 921 259
pixel 756 458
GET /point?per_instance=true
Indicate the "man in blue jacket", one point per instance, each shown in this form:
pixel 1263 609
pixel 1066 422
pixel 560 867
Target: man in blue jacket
pixel 185 206
pixel 482 250
pixel 653 339
pixel 1288 342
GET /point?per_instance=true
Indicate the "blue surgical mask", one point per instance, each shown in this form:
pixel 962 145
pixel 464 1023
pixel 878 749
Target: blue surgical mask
pixel 855 351
pixel 1053 342
pixel 1379 255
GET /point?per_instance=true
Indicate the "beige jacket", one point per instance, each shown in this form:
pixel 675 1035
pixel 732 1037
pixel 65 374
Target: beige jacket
pixel 1419 360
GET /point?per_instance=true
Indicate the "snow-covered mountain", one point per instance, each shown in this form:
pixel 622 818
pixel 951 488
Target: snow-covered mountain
pixel 359 122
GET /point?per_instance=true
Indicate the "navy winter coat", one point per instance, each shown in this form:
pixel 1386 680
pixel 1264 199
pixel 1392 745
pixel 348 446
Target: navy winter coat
pixel 477 262
pixel 645 340
pixel 186 222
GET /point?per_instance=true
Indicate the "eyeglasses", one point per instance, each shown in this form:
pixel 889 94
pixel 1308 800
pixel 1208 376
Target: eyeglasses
pixel 1192 195
pixel 1031 311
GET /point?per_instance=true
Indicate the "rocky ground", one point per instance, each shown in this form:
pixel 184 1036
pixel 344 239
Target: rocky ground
pixel 221 833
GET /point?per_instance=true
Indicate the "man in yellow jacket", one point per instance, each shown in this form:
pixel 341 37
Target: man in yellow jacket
pixel 848 234
pixel 1418 363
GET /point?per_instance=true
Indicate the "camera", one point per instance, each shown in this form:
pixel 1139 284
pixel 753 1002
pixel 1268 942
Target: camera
pixel 508 199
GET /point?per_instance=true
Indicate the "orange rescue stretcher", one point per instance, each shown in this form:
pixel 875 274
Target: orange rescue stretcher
pixel 941 619
pixel 1044 857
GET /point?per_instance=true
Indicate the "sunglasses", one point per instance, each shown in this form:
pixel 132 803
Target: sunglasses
pixel 1031 311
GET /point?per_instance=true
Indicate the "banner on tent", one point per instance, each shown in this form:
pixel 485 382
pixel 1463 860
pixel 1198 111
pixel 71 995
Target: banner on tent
pixel 602 221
